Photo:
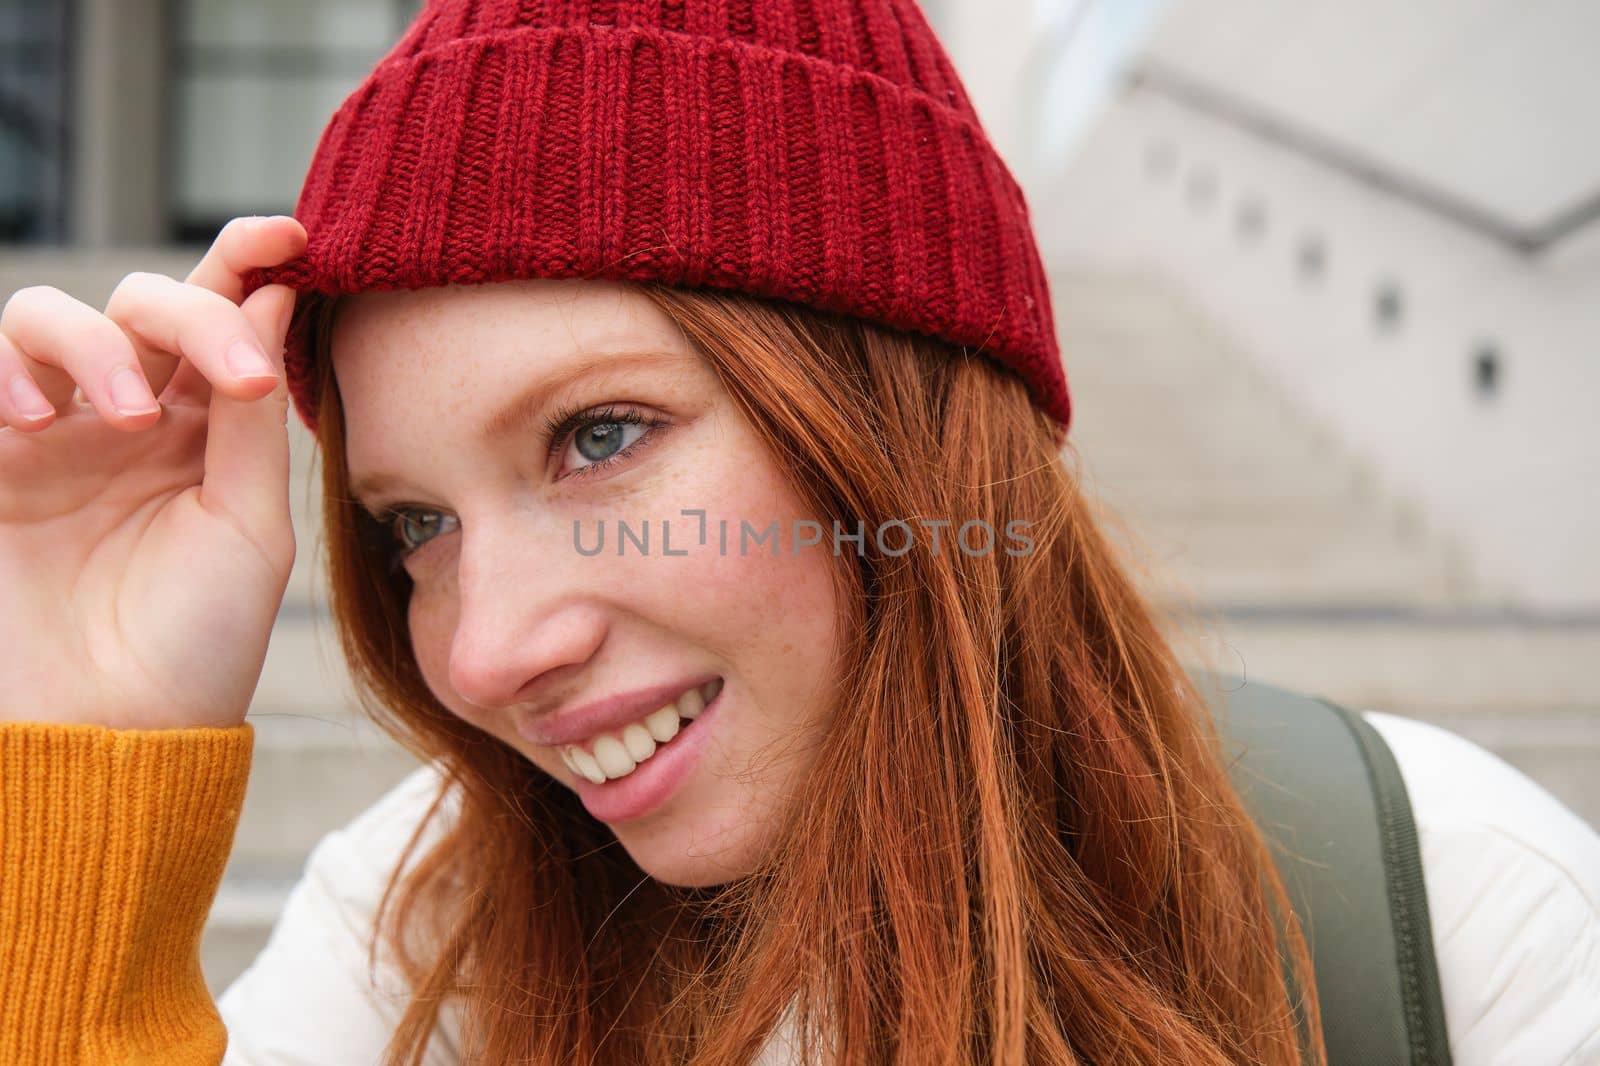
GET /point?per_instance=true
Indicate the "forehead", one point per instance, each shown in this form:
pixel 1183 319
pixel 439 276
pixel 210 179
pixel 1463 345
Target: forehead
pixel 461 344
pixel 433 326
pixel 479 359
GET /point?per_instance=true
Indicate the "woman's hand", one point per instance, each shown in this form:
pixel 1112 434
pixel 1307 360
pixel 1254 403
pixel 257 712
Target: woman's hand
pixel 144 555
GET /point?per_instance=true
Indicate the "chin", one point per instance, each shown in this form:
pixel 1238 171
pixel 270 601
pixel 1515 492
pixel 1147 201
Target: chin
pixel 668 859
pixel 691 878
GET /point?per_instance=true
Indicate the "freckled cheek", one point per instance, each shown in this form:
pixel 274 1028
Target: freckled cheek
pixel 775 600
pixel 760 587
pixel 433 625
pixel 771 614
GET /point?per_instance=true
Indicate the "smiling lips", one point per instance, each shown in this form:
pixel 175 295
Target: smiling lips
pixel 616 754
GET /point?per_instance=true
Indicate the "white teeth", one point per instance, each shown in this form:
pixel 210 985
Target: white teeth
pixel 640 744
pixel 663 723
pixel 586 765
pixel 613 757
pixel 616 755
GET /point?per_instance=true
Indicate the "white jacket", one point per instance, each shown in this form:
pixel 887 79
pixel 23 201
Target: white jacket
pixel 1512 878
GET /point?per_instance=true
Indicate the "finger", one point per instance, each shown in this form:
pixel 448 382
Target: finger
pixel 243 245
pixel 186 386
pixel 175 320
pixel 22 405
pixel 65 343
pixel 247 440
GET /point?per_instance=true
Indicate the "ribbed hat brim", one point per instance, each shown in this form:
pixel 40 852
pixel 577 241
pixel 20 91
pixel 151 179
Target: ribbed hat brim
pixel 647 154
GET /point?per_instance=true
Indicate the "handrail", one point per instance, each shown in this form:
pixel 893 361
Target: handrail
pixel 1152 76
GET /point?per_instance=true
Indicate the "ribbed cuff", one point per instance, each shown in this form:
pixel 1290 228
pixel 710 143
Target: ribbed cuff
pixel 112 845
pixel 635 153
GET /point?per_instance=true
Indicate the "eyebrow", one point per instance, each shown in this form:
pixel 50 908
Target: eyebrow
pixel 521 409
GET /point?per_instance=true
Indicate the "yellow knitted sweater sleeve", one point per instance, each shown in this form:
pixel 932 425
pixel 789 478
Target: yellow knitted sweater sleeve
pixel 112 846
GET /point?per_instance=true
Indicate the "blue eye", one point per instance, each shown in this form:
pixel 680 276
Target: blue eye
pixel 600 442
pixel 401 520
pixel 601 437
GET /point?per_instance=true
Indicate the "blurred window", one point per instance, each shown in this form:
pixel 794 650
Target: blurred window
pixel 34 64
pixel 254 83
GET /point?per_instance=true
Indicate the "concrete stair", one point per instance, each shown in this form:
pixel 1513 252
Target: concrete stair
pixel 1316 578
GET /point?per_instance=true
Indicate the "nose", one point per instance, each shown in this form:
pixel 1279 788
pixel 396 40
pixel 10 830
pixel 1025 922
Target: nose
pixel 524 622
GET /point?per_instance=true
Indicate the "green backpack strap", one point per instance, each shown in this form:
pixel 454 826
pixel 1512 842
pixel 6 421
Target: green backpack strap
pixel 1323 786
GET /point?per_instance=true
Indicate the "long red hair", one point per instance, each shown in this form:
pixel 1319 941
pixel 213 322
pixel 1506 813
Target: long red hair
pixel 1019 843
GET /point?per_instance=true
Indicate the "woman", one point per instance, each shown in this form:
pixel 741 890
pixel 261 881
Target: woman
pixel 860 728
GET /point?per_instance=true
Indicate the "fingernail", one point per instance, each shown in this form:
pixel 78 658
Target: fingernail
pixel 28 400
pixel 246 360
pixel 129 394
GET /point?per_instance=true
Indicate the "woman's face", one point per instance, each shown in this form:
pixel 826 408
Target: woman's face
pixel 518 623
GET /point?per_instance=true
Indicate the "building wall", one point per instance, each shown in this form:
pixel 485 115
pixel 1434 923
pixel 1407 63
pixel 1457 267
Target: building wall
pixel 176 115
pixel 138 122
pixel 1485 106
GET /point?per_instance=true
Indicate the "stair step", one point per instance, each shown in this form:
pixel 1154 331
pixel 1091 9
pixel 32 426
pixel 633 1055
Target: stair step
pixel 241 919
pixel 1227 491
pixel 1354 585
pixel 309 776
pixel 318 760
pixel 1184 504
pixel 305 505
pixel 1524 689
pixel 1451 663
pixel 304 672
pixel 1179 484
pixel 1289 543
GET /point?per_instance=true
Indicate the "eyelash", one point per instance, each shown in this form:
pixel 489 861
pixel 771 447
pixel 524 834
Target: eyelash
pixel 560 425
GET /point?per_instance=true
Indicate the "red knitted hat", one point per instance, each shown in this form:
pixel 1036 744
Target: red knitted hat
pixel 817 151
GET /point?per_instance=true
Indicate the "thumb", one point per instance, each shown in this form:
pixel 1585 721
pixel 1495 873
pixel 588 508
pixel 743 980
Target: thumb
pixel 247 441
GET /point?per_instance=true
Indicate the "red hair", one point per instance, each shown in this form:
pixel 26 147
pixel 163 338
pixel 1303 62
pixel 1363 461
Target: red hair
pixel 1018 844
